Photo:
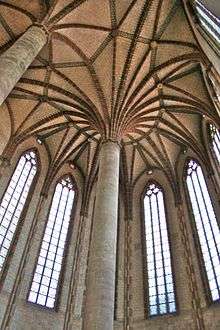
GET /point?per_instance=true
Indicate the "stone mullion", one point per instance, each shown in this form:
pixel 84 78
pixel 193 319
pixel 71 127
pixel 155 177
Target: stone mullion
pixel 190 270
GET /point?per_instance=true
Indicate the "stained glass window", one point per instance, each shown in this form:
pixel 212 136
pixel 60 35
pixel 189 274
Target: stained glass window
pixel 206 225
pixel 215 136
pixel 14 199
pixel 44 285
pixel 160 279
pixel 210 22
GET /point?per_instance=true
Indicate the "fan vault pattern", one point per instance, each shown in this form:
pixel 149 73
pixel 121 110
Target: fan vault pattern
pixel 129 71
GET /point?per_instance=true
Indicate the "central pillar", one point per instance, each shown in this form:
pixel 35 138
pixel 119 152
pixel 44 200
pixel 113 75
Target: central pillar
pixel 100 290
pixel 15 61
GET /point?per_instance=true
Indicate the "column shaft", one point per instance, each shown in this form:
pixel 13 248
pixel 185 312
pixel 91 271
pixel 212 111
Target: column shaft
pixel 100 291
pixel 15 61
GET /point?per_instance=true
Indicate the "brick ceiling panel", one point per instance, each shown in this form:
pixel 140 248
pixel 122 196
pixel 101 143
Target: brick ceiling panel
pixel 123 70
pixel 90 14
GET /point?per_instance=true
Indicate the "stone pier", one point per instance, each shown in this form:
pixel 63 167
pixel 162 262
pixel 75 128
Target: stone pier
pixel 15 61
pixel 99 309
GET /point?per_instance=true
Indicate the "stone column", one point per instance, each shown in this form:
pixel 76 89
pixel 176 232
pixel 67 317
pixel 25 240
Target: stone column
pixel 100 291
pixel 15 61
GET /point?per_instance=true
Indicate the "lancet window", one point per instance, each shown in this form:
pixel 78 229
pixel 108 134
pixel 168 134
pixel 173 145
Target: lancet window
pixel 14 200
pixel 161 291
pixel 206 225
pixel 44 287
pixel 215 140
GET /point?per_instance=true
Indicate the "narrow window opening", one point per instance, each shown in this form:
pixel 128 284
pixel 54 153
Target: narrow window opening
pixel 14 199
pixel 215 139
pixel 45 281
pixel 206 225
pixel 160 279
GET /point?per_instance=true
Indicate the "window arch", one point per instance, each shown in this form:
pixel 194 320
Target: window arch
pixel 14 200
pixel 215 140
pixel 206 225
pixel 44 286
pixel 159 270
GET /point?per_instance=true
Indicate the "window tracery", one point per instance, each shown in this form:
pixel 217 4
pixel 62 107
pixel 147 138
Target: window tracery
pixel 45 281
pixel 159 270
pixel 206 225
pixel 14 200
pixel 215 139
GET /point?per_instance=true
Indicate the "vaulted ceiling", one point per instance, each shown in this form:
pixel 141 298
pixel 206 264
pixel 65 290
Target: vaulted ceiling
pixel 128 70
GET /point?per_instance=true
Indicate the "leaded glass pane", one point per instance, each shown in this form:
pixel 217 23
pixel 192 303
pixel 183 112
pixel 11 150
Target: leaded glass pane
pixel 210 22
pixel 160 278
pixel 14 199
pixel 46 276
pixel 206 224
pixel 215 136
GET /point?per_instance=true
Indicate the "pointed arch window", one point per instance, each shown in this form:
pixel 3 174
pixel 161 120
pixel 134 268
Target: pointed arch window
pixel 215 140
pixel 46 277
pixel 206 225
pixel 14 200
pixel 159 270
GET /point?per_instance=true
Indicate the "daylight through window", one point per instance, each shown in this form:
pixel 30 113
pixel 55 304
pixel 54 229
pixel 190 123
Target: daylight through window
pixel 46 276
pixel 210 22
pixel 206 224
pixel 14 199
pixel 215 136
pixel 159 270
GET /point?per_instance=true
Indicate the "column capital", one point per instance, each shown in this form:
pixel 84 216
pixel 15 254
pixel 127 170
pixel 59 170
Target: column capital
pixel 104 141
pixel 41 26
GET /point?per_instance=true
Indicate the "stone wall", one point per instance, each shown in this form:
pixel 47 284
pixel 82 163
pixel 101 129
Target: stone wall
pixel 17 313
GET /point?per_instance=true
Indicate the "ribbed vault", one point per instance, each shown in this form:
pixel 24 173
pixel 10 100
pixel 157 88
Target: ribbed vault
pixel 126 70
